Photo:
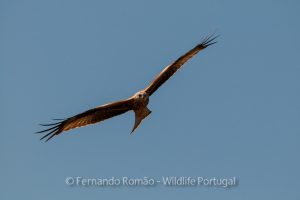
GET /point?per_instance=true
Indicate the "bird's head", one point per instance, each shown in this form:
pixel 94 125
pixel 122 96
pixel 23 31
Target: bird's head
pixel 141 96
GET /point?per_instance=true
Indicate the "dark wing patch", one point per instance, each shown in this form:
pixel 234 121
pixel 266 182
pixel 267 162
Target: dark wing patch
pixel 88 117
pixel 171 69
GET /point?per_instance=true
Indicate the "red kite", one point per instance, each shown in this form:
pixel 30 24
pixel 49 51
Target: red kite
pixel 137 103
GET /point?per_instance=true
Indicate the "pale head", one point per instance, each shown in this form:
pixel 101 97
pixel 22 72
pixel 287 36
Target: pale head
pixel 141 96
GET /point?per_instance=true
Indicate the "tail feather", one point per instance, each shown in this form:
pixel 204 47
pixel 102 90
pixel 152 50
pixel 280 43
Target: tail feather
pixel 140 114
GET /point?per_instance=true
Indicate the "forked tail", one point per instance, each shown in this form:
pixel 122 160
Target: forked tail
pixel 140 114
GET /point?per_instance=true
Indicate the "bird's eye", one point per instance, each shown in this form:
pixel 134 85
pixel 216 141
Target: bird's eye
pixel 140 95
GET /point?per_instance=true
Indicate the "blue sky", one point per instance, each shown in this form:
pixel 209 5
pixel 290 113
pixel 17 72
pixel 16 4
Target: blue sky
pixel 233 110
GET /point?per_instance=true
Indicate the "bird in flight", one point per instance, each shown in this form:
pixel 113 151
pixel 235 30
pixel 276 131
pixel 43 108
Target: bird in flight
pixel 137 103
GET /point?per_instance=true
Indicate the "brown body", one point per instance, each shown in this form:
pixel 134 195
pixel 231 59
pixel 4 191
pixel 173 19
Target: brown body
pixel 138 102
pixel 141 100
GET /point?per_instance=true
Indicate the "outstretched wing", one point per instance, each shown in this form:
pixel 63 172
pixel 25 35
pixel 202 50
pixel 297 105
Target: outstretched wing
pixel 171 69
pixel 88 117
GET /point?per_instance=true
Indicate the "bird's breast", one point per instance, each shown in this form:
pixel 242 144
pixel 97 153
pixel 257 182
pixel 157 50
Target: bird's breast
pixel 139 103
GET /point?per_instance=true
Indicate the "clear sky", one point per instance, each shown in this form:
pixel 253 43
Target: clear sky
pixel 232 111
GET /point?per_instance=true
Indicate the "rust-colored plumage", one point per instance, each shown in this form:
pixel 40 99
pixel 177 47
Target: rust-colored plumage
pixel 138 102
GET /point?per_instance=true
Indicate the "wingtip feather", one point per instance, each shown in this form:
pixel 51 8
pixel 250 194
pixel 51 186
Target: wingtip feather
pixel 54 130
pixel 209 40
